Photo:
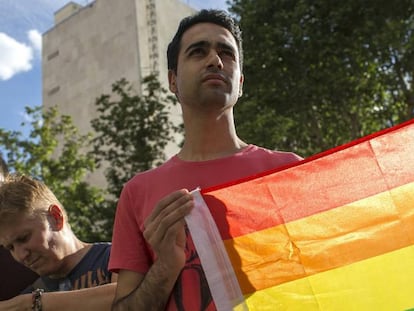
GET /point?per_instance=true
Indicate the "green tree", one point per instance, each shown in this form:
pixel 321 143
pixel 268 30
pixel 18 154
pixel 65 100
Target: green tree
pixel 321 73
pixel 132 130
pixel 53 153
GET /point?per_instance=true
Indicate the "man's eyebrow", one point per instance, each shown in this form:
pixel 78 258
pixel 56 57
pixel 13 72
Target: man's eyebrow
pixel 204 43
pixel 225 46
pixel 197 44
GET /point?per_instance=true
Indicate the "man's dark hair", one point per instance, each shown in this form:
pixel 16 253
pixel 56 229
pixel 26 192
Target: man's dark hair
pixel 217 17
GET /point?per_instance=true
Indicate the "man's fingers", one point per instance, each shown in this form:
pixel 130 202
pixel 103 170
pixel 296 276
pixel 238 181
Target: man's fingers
pixel 171 202
pixel 165 236
pixel 168 217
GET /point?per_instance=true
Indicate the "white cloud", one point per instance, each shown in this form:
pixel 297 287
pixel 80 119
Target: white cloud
pixel 35 38
pixel 15 57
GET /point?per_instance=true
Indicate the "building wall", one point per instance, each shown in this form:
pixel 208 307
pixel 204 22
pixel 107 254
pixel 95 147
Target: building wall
pixel 166 31
pixel 93 46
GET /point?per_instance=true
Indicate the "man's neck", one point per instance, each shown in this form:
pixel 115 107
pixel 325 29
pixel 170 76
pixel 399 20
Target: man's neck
pixel 75 250
pixel 210 138
pixel 210 151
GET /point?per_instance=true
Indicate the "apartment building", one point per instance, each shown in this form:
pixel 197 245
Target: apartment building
pixel 91 46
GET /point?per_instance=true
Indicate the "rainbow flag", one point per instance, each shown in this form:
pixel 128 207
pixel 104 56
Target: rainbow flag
pixel 334 232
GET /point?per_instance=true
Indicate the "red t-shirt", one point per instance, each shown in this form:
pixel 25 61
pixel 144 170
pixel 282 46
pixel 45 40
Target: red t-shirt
pixel 142 193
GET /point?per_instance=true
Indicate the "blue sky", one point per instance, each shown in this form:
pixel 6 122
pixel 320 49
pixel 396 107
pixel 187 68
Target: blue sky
pixel 22 23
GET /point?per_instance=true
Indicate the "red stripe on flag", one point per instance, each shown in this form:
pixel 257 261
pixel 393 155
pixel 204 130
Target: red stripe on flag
pixel 334 179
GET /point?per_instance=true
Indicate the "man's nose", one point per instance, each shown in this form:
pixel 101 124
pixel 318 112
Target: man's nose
pixel 214 60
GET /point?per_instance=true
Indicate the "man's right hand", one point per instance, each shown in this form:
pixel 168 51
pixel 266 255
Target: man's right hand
pixel 165 233
pixel 165 229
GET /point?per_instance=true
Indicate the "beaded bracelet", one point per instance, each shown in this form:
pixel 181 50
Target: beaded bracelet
pixel 37 299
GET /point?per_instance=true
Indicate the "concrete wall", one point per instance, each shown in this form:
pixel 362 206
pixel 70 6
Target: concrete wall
pixel 84 53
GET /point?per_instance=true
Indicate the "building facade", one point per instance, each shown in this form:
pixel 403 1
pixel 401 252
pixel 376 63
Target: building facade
pixel 92 46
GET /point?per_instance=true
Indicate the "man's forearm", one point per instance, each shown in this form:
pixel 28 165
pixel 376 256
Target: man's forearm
pixel 88 299
pixel 97 298
pixel 152 293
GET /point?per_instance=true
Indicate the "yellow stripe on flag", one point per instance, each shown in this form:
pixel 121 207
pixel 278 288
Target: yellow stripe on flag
pixel 346 288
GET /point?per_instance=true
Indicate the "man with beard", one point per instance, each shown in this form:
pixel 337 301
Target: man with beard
pixel 152 250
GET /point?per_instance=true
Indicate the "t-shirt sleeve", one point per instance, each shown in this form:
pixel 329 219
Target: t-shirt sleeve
pixel 129 250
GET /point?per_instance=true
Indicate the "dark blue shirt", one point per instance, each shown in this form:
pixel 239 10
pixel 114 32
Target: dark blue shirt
pixel 91 271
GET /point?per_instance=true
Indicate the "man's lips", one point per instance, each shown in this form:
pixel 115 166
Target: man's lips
pixel 214 77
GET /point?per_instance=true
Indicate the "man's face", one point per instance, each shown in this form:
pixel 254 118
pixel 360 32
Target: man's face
pixel 32 242
pixel 208 71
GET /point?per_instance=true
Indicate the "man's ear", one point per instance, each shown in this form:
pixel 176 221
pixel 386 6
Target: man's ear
pixel 172 81
pixel 56 217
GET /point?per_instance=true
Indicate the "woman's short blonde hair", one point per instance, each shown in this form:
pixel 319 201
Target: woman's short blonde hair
pixel 20 194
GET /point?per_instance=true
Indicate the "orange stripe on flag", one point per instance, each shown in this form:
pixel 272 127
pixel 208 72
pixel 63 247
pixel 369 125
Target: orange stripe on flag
pixel 338 237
